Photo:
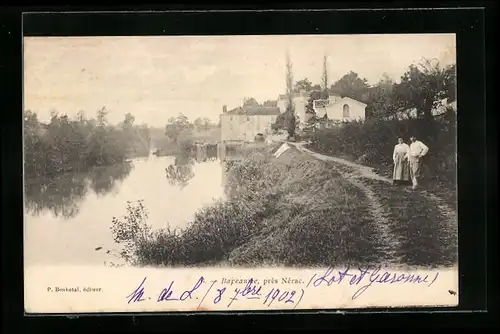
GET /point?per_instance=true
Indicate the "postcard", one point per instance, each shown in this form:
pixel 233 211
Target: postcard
pixel 236 173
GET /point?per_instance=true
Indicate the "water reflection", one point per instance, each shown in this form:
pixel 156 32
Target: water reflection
pixel 103 180
pixel 63 194
pixel 182 170
pixel 206 152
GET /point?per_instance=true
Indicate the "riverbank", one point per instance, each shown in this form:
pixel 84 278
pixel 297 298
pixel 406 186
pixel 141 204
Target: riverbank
pixel 419 226
pixel 297 210
pixel 444 188
pixel 292 210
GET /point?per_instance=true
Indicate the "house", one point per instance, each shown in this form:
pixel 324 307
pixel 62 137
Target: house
pixel 244 123
pixel 339 109
pixel 300 100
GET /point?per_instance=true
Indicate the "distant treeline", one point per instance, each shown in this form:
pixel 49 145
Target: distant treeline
pixel 65 144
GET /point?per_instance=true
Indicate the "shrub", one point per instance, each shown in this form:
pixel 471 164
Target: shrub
pixel 292 210
pixel 260 137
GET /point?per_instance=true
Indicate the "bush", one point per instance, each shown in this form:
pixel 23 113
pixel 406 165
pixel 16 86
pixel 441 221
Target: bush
pixel 372 142
pixel 271 204
pixel 260 137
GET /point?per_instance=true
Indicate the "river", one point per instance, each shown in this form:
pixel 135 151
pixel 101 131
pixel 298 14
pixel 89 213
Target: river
pixel 68 217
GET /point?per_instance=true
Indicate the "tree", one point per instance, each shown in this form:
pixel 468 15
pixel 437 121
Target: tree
pixel 206 124
pixel 102 117
pixel 290 118
pixel 270 103
pixel 351 85
pixel 314 95
pixel 324 78
pixel 303 84
pixel 176 126
pixel 381 101
pixel 198 124
pixel 80 116
pixel 449 82
pixel 424 86
pixel 129 119
pixel 316 88
pixel 279 124
pixel 311 123
pixel 291 123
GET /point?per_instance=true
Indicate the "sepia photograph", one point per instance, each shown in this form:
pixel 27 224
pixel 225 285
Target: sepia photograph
pixel 219 172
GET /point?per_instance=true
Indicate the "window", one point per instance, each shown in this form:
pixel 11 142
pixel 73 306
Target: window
pixel 248 119
pixel 231 118
pixel 345 111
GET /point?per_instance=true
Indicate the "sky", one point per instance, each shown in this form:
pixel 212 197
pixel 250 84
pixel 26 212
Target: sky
pixel 158 77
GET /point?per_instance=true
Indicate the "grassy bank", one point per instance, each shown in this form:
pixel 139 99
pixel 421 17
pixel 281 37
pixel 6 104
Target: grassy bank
pixel 293 210
pixel 422 232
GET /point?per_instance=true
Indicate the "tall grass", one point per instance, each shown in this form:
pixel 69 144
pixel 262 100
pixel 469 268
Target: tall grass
pixel 372 142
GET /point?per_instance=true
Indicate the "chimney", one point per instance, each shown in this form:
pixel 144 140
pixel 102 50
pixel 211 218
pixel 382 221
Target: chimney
pixel 224 109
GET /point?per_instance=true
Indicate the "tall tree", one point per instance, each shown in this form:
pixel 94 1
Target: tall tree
pixel 198 124
pixel 102 117
pixel 424 86
pixel 314 95
pixel 316 87
pixel 250 102
pixel 206 124
pixel 270 103
pixel 351 85
pixel 381 99
pixel 80 116
pixel 129 119
pixel 303 84
pixel 289 83
pixel 288 119
pixel 290 109
pixel 176 126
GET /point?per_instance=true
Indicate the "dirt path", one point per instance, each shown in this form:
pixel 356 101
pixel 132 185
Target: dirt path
pixel 368 173
pixel 363 177
pixel 379 213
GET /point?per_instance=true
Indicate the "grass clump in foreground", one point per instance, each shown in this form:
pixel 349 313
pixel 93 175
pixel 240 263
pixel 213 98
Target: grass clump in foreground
pixel 293 210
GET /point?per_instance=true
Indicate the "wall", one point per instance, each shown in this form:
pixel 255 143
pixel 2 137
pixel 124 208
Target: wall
pixel 320 112
pixel 356 111
pixel 245 128
pixel 300 108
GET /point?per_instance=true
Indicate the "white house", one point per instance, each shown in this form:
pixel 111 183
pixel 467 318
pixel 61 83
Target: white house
pixel 300 100
pixel 244 123
pixel 339 109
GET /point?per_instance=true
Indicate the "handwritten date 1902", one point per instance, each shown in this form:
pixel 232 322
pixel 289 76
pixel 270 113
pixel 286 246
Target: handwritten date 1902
pixel 285 297
pixel 250 291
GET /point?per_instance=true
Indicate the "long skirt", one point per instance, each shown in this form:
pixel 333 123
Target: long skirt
pixel 401 172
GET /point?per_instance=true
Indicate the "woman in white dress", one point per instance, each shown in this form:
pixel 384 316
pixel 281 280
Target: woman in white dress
pixel 401 172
